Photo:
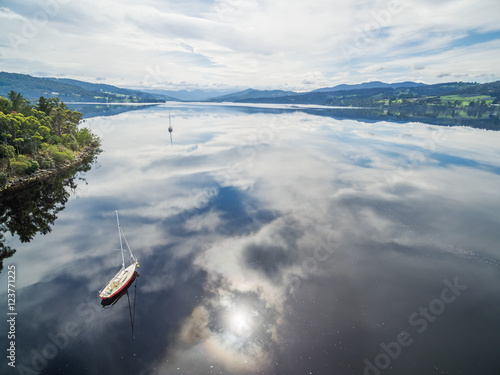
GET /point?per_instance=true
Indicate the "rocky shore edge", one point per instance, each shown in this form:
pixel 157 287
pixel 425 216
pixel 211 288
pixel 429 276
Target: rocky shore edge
pixel 42 174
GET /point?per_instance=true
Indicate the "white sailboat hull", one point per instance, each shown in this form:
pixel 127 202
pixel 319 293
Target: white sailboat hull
pixel 119 281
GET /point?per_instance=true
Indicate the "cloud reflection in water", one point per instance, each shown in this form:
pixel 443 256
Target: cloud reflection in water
pixel 282 242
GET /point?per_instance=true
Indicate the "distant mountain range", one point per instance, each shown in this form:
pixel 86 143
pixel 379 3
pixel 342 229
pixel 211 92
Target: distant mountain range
pixel 252 94
pixel 185 95
pixel 373 93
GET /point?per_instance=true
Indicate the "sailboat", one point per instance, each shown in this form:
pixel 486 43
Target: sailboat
pixel 108 302
pixel 125 275
pixel 170 129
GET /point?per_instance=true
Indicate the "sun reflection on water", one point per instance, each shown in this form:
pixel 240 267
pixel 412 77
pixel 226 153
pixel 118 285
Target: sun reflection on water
pixel 238 322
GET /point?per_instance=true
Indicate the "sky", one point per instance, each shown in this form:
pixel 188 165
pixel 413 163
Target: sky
pixel 264 44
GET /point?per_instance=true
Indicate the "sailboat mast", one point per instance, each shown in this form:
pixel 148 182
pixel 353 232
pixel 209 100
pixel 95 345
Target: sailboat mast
pixel 120 236
pixel 170 128
pixel 128 247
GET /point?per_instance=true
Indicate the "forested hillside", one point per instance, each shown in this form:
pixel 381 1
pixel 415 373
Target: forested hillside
pixel 453 94
pixel 42 135
pixel 72 90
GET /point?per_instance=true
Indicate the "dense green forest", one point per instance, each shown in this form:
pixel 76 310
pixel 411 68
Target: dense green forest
pixel 36 136
pixel 451 95
pixel 72 90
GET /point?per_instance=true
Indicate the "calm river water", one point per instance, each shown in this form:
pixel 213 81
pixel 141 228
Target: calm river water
pixel 270 241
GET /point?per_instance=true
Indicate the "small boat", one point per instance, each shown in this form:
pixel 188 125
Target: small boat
pixel 113 300
pixel 170 129
pixel 109 302
pixel 125 275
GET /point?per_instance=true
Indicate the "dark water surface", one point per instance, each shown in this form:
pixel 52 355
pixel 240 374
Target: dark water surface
pixel 270 241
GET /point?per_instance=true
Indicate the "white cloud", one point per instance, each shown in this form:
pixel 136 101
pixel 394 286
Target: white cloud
pixel 372 69
pixel 284 44
pixel 7 13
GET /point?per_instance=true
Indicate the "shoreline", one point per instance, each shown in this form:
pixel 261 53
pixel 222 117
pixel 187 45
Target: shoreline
pixel 42 174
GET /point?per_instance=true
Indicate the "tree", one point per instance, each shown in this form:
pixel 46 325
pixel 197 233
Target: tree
pixel 5 105
pixel 30 137
pixel 58 120
pixel 18 142
pixel 4 128
pixel 15 99
pixel 7 152
pixel 47 105
pixel 64 120
pixel 19 103
pixel 43 105
pixel 84 137
pixel 37 140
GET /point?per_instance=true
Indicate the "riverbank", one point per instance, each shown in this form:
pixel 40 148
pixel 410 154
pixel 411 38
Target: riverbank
pixel 41 174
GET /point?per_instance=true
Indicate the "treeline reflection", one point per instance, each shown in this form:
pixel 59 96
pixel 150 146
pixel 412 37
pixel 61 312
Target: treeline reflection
pixel 32 209
pixel 475 117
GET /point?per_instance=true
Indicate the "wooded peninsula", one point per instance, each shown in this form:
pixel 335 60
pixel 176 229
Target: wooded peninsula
pixel 40 136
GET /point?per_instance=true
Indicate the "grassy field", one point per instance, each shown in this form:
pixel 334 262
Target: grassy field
pixel 466 100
